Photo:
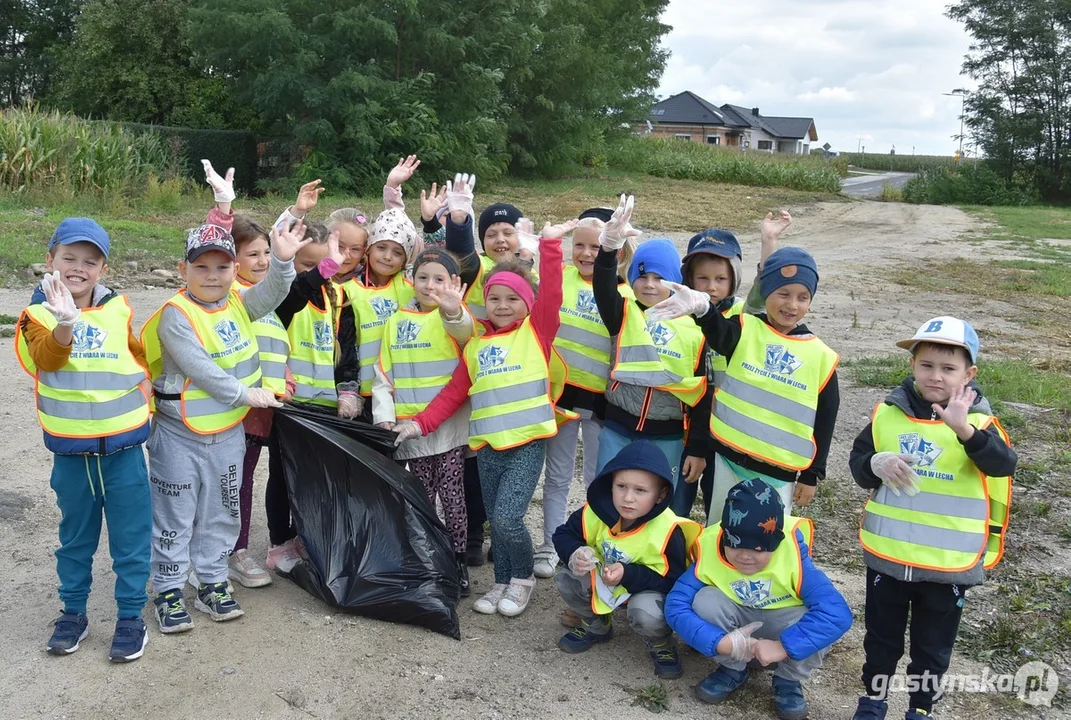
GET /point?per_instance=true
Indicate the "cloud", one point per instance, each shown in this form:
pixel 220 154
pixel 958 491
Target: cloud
pixel 861 68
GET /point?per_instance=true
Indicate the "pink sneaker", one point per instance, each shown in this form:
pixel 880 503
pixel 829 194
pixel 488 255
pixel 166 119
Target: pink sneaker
pixel 283 557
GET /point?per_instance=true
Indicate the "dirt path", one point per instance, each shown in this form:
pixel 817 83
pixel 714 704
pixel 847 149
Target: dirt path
pixel 291 657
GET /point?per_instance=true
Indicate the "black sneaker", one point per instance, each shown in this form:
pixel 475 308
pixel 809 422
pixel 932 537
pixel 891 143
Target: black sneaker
pixel 474 553
pixel 129 641
pixel 463 575
pixel 70 630
pixel 216 600
pixel 171 612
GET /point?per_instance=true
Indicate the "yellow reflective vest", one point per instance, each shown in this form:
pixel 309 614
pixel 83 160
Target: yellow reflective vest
pixel 312 334
pixel 767 401
pixel 418 357
pixel 660 354
pixel 474 295
pixel 582 341
pixel 95 394
pixel 718 362
pixel 775 586
pixel 227 336
pixel 510 393
pixel 274 344
pixel 959 514
pixel 642 545
pixel 372 308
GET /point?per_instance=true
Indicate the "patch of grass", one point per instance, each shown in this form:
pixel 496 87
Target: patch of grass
pixel 991 279
pixel 652 697
pixel 1031 508
pixel 1036 221
pixel 891 193
pixel 6 319
pixel 1065 532
pixel 7 332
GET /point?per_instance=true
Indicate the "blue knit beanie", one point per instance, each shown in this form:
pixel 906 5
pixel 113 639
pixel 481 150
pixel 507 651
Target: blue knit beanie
pixel 753 517
pixel 639 455
pixel 788 266
pixel 658 256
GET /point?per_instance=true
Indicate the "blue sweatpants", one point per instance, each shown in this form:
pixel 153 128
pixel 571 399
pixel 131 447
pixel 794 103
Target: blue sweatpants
pixel 508 479
pixel 116 485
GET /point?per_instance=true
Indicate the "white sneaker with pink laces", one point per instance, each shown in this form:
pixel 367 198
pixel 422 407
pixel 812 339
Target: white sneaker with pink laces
pixel 488 604
pixel 517 596
pixel 283 557
pixel 245 569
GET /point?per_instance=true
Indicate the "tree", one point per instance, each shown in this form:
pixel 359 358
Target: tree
pixel 31 32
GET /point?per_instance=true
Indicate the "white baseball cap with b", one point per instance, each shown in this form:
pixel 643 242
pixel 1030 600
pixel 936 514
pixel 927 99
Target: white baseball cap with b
pixel 946 330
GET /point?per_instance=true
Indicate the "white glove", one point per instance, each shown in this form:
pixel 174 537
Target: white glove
pixel 59 301
pixel 222 187
pixel 683 301
pixel 459 193
pixel 407 430
pixel 261 398
pixel 896 472
pixel 743 644
pixel 526 236
pixel 350 404
pixel 582 561
pixel 618 230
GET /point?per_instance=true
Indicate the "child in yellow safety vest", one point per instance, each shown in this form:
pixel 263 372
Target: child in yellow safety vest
pixel 92 397
pixel 506 375
pixel 203 356
pixel 421 349
pixel 755 595
pixel 938 466
pixel 626 545
pixel 774 412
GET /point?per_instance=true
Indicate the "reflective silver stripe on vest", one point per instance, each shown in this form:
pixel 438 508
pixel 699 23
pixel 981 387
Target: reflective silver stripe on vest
pixel 425 369
pixel 511 421
pixel 244 369
pixel 513 393
pixel 416 396
pixel 312 370
pixel 768 401
pixel 761 431
pixel 719 378
pixel 304 391
pixel 579 361
pixel 584 337
pixel 367 372
pixel 269 344
pixel 637 353
pixel 369 351
pixel 646 379
pixel 918 534
pixel 67 380
pixel 273 369
pixel 91 410
pixel 936 504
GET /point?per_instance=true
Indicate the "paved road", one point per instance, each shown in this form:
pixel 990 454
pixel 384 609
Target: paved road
pixel 868 186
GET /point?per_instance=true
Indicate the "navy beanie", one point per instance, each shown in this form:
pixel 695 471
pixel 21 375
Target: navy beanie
pixel 658 256
pixel 787 266
pixel 753 517
pixel 599 213
pixel 640 455
pixel 499 212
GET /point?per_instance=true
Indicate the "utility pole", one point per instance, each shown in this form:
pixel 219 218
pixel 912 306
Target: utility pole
pixel 962 95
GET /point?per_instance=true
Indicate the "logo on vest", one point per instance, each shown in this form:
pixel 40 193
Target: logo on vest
pixel 925 454
pixel 781 361
pixel 383 308
pixel 325 338
pixel 755 593
pixel 661 335
pixel 491 360
pixel 585 303
pixel 228 332
pixel 613 554
pixel 88 343
pixel 407 335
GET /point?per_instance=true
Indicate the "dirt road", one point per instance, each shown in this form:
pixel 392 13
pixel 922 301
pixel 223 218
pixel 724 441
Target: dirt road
pixel 292 657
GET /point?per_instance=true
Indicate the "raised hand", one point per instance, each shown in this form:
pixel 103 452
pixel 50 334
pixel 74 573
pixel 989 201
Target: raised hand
pixel 683 301
pixel 450 298
pixel 59 301
pixel 955 412
pixel 401 172
pixel 286 243
pixel 773 227
pixel 557 232
pixel 459 195
pixel 618 230
pixel 432 202
pixel 308 196
pixel 222 187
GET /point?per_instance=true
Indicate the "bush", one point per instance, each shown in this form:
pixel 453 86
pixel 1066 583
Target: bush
pixel 41 149
pixel 225 148
pixel 970 184
pixel 672 158
pixel 899 163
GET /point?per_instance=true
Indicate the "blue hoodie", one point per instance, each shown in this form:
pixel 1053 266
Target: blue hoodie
pixel 640 455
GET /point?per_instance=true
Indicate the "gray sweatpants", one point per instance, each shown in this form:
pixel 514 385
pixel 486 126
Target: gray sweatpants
pixel 644 611
pixel 716 608
pixel 195 508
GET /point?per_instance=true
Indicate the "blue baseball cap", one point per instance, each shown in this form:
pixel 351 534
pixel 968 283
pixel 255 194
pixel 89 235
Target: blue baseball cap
pixel 714 241
pixel 80 229
pixel 946 330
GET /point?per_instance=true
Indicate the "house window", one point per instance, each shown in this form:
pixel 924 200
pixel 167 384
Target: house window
pixel 713 139
pixel 659 111
pixel 765 145
pixel 682 136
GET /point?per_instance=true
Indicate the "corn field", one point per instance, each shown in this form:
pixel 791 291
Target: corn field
pixel 899 163
pixel 672 158
pixel 43 149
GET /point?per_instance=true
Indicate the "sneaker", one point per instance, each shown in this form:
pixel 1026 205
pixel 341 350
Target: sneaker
pixel 517 597
pixel 582 638
pixel 719 685
pixel 216 600
pixel 788 699
pixel 70 630
pixel 283 558
pixel 171 612
pixel 129 640
pixel 916 714
pixel 870 709
pixel 196 584
pixel 488 604
pixel 667 663
pixel 463 575
pixel 247 571
pixel 474 556
pixel 569 619
pixel 546 562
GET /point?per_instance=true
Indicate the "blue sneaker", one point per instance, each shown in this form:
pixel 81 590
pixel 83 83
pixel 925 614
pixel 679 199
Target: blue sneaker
pixel 667 663
pixel 171 612
pixel 916 714
pixel 720 684
pixel 129 640
pixel 215 599
pixel 70 630
pixel 581 638
pixel 788 699
pixel 870 709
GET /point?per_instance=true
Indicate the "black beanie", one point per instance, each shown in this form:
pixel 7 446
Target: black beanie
pixel 753 517
pixel 499 212
pixel 599 213
pixel 437 255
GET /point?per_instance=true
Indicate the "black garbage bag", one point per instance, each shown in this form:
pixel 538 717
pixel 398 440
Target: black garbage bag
pixel 376 546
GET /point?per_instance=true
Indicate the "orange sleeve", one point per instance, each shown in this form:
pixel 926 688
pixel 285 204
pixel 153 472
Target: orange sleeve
pixel 136 349
pixel 48 355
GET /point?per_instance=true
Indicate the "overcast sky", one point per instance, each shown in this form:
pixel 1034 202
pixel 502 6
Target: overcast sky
pixel 869 68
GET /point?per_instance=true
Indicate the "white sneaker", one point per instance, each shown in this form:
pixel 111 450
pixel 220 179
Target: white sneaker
pixel 196 584
pixel 517 596
pixel 546 562
pixel 284 557
pixel 244 569
pixel 488 604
